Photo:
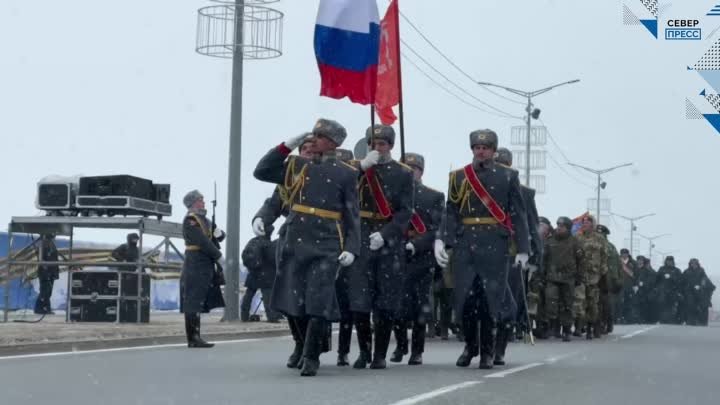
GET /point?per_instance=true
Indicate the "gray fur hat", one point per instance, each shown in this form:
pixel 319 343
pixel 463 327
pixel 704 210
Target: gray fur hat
pixel 330 129
pixel 415 160
pixel 504 157
pixel 191 197
pixel 384 132
pixel 486 137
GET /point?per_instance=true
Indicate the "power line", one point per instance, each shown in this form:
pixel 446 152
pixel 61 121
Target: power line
pixel 430 65
pixel 557 146
pixel 453 64
pixel 443 87
pixel 564 170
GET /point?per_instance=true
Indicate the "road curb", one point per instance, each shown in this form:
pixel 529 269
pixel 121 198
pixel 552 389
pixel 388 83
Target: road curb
pixel 65 346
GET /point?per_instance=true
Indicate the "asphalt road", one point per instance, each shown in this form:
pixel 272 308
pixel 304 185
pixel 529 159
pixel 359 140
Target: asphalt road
pixel 638 365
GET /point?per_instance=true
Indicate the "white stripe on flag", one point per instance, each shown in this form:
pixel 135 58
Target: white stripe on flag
pixel 348 15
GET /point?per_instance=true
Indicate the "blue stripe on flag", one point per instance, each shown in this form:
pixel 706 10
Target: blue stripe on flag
pixel 347 49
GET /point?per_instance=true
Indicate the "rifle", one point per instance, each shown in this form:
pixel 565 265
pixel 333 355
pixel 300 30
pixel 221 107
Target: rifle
pixel 219 276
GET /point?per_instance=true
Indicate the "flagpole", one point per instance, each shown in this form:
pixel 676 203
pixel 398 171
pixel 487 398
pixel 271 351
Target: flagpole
pixel 372 116
pixel 400 86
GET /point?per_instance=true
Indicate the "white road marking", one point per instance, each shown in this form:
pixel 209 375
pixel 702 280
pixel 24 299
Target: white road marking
pixel 639 332
pixel 119 349
pixel 432 394
pixel 555 359
pixel 513 370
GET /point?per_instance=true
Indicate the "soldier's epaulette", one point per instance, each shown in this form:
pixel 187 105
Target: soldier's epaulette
pixel 432 189
pixel 405 166
pixel 349 165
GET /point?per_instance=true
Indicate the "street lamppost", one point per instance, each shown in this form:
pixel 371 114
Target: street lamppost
pixel 651 240
pixel 632 226
pixel 600 184
pixel 534 113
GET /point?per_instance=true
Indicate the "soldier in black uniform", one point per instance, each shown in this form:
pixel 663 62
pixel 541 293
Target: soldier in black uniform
pixel 199 282
pixel 374 283
pixel 485 211
pixel 420 267
pixel 127 252
pixel 517 278
pixel 322 233
pixel 47 274
pixel 259 258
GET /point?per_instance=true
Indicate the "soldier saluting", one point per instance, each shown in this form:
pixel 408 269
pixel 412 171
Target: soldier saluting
pixel 374 284
pixel 322 233
pixel 485 210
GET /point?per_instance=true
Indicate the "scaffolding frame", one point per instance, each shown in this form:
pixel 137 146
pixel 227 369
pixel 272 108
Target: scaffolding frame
pixel 65 226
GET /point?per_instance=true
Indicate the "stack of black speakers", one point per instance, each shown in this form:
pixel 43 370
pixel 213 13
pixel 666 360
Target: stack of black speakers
pixel 109 296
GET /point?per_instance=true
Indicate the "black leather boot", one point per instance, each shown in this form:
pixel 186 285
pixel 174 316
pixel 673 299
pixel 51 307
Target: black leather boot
pixel 296 355
pixel 501 342
pixel 418 344
pixel 314 339
pixel 195 341
pixel 400 331
pixel 383 331
pixel 344 337
pixel 488 333
pixel 364 337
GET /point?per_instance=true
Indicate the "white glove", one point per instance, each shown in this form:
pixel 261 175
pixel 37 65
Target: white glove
pixel 346 259
pixel 410 247
pixel 371 159
pixel 295 141
pixel 376 241
pixel 258 227
pixel 218 233
pixel 636 288
pixel 640 284
pixel 697 287
pixel 522 259
pixel 441 254
pixel 667 276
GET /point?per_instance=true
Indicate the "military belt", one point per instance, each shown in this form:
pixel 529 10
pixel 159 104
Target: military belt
pixel 318 212
pixel 479 221
pixel 192 248
pixel 372 215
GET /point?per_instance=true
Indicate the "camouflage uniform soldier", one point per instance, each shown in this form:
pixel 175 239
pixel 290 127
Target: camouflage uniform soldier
pixel 420 267
pixel 561 262
pixel 610 286
pixel 592 267
pixel 322 233
pixel 485 211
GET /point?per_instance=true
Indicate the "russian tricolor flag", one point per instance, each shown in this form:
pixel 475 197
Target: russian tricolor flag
pixel 347 45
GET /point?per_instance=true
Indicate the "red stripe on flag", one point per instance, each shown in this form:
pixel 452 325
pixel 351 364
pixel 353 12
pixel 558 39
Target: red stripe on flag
pixel 388 77
pixel 337 83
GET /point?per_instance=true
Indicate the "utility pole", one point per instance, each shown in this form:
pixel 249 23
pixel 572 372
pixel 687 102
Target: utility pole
pixel 600 183
pixel 632 225
pixel 220 33
pixel 651 243
pixel 530 113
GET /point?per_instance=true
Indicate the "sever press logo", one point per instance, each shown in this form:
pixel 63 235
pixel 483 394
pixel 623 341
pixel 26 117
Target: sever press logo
pixel 650 15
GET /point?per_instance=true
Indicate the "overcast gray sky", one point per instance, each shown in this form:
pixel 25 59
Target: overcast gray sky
pixel 93 88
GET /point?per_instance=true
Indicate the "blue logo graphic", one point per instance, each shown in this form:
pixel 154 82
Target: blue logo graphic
pixel 683 34
pixel 715 11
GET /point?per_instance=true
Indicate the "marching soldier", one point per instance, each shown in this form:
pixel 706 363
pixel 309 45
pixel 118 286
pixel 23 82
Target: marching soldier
pixel 536 285
pixel 485 211
pixel 668 292
pixel 272 209
pixel 592 267
pixel 258 256
pixel 610 285
pixel 199 281
pixel 517 279
pixel 561 262
pixel 626 309
pixel 698 294
pixel 374 283
pixel 645 291
pixel 322 233
pixel 420 265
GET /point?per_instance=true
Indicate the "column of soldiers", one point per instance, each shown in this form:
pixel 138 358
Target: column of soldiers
pixel 366 244
pixel 668 296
